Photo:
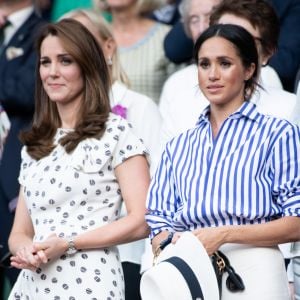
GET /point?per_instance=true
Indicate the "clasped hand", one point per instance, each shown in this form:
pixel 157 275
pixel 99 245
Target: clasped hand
pixel 33 256
pixel 211 238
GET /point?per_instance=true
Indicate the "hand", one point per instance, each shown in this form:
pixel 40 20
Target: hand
pixel 27 258
pixel 52 247
pixel 211 237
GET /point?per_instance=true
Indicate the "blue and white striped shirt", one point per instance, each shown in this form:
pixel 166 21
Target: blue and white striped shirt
pixel 248 174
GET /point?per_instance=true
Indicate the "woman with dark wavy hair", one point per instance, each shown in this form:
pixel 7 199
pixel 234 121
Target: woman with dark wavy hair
pixel 78 162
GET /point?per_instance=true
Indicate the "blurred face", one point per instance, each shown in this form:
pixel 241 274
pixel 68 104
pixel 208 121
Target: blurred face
pixel 108 46
pixel 235 20
pixel 89 26
pixel 221 74
pixel 60 74
pixel 198 19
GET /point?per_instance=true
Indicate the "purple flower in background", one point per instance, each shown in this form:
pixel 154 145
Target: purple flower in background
pixel 120 110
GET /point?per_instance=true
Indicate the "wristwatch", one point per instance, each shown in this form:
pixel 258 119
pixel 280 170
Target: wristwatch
pixel 71 246
pixel 162 245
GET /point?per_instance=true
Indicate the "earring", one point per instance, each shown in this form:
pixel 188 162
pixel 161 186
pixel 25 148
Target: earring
pixel 109 61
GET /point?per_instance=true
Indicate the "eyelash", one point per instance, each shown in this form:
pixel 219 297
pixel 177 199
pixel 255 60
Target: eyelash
pixel 205 65
pixel 64 61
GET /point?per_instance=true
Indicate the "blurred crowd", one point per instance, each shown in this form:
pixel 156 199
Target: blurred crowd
pixel 148 47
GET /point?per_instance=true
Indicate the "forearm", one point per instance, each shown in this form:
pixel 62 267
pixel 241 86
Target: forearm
pixel 18 240
pixel 280 231
pixel 127 229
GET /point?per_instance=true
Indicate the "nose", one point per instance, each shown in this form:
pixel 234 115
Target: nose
pixel 213 73
pixel 203 24
pixel 53 71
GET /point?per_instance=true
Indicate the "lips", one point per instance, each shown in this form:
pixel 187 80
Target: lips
pixel 214 88
pixel 55 85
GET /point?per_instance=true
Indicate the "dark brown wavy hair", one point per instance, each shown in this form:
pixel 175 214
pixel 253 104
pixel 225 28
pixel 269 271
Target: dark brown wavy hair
pixel 95 107
pixel 259 13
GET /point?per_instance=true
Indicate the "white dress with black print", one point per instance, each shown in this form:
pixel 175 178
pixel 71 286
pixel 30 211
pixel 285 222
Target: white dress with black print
pixel 68 194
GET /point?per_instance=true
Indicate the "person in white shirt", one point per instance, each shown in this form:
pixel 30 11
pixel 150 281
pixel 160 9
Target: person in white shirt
pixel 141 112
pixel 182 101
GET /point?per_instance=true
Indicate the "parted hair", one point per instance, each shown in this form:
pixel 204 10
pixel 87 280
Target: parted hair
pixel 93 113
pixel 259 13
pixel 244 44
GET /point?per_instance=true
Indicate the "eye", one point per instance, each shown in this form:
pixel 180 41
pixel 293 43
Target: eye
pixel 203 64
pixel 66 61
pixel 225 64
pixel 194 20
pixel 44 61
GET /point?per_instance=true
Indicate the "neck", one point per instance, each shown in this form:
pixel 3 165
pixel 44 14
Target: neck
pixel 68 115
pixel 218 114
pixel 125 17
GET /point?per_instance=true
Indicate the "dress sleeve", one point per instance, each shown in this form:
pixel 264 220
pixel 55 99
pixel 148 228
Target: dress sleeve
pixel 286 172
pixel 162 200
pixel 26 162
pixel 128 144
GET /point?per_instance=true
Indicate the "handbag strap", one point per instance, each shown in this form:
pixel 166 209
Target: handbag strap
pixel 189 276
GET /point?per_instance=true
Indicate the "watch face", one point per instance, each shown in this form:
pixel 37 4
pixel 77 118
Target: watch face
pixel 71 247
pixel 71 250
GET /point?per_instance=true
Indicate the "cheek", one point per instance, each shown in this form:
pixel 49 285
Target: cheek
pixel 42 73
pixel 201 78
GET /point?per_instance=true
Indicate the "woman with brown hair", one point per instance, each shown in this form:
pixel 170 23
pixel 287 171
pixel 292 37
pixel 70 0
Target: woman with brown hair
pixel 79 161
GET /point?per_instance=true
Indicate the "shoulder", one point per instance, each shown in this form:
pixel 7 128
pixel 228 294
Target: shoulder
pixel 180 140
pixel 185 75
pixel 159 31
pixel 131 99
pixel 279 126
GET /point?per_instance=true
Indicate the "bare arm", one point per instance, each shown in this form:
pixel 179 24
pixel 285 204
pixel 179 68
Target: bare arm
pixel 22 231
pixel 20 239
pixel 133 178
pixel 283 230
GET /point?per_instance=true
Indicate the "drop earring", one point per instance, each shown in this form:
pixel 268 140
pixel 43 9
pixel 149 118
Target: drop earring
pixel 109 61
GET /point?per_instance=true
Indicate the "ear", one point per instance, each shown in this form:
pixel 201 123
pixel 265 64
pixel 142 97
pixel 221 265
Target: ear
pixel 109 47
pixel 250 71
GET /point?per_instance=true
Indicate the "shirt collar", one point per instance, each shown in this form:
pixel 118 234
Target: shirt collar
pixel 247 110
pixel 19 17
pixel 117 93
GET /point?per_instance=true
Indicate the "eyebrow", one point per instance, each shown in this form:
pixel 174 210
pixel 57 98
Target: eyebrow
pixel 218 57
pixel 59 55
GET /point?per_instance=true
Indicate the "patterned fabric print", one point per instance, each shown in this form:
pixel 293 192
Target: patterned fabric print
pixel 69 194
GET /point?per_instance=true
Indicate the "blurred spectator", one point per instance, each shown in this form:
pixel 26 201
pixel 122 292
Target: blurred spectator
pixel 44 8
pixel 168 13
pixel 140 41
pixel 17 66
pixel 285 61
pixel 4 129
pixel 181 101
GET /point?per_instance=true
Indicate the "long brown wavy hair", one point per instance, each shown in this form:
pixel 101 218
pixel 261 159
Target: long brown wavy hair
pixel 95 107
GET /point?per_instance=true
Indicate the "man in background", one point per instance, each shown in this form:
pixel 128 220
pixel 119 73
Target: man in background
pixel 18 25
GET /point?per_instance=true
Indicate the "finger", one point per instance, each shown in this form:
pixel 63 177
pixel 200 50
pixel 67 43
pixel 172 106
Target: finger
pixel 42 256
pixel 22 266
pixel 176 237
